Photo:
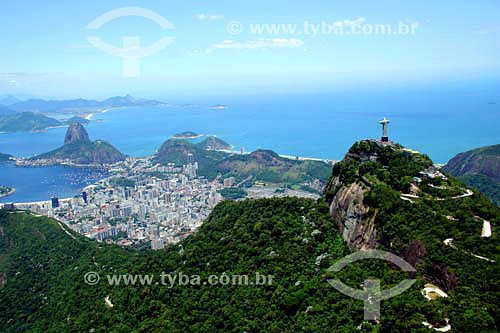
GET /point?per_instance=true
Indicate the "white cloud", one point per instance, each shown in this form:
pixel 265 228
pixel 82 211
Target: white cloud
pixel 195 53
pixel 262 43
pixel 209 17
pixel 490 30
pixel 349 23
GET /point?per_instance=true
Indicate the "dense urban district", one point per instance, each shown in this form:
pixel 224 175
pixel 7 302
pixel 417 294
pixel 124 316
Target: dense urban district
pixel 162 199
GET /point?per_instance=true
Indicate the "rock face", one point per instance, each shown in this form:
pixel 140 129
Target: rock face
pixel 482 161
pixel 79 149
pixel 356 223
pixel 441 276
pixel 346 196
pixel 76 133
pixel 413 254
pixel 348 187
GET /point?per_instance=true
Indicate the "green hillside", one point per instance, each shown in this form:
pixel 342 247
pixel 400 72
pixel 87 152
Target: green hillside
pixel 182 152
pixel 267 166
pixel 85 152
pixel 485 184
pixel 214 143
pixel 26 121
pixel 479 168
pixel 79 149
pixel 260 165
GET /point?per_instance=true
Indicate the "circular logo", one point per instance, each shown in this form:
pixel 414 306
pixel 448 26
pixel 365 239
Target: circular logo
pixel 371 293
pixel 234 27
pixel 91 278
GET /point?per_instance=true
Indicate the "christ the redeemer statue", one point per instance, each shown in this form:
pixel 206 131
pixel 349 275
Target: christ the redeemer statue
pixel 384 123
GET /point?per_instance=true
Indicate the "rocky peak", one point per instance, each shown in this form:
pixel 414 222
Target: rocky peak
pixel 368 163
pixel 214 143
pixel 266 157
pixel 369 150
pixel 76 133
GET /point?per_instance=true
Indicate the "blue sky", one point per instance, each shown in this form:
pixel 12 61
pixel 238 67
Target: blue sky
pixel 44 51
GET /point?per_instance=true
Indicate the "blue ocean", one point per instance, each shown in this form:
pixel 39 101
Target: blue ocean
pixel 439 121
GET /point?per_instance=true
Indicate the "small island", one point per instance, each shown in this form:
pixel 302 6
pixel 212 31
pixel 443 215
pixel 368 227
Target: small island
pixel 219 107
pixel 77 119
pixel 188 135
pixel 5 157
pixel 5 191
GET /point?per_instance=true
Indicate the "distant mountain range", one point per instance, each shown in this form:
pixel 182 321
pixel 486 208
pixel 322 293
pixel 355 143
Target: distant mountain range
pixel 58 106
pixel 479 168
pixel 5 111
pixel 9 100
pixel 16 116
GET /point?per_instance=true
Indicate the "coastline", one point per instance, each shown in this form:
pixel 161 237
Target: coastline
pixel 12 191
pixel 73 182
pixel 89 116
pixel 50 127
pixel 109 167
pixel 299 158
pixel 49 202
pixel 29 163
pixel 84 114
pixel 45 202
